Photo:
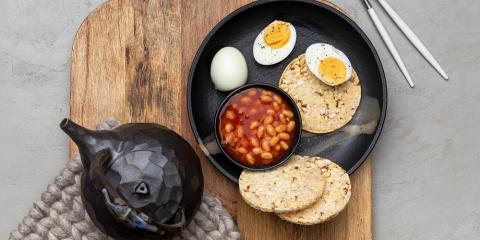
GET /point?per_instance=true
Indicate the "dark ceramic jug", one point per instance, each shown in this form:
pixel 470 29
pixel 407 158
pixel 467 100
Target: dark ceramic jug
pixel 140 181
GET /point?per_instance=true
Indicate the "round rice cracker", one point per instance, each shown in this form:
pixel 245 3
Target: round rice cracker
pixel 323 108
pixel 335 197
pixel 295 185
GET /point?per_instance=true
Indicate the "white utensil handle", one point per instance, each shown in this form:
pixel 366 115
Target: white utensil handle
pixel 412 37
pixel 391 47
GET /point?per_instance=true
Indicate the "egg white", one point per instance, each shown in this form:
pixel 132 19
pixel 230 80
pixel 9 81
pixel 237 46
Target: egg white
pixel 228 69
pixel 317 52
pixel 266 55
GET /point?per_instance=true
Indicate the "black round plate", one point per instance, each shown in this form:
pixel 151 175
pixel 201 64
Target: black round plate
pixel 314 22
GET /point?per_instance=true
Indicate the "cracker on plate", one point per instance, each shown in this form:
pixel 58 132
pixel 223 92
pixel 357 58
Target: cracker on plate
pixel 323 108
pixel 295 185
pixel 335 196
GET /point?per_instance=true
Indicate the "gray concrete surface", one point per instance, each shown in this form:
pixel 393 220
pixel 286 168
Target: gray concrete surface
pixel 426 184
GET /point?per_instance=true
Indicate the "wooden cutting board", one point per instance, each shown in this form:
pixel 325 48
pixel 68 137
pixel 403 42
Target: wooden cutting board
pixel 131 59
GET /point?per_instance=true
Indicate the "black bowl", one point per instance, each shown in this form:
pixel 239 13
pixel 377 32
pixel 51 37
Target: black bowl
pixel 314 22
pixel 297 131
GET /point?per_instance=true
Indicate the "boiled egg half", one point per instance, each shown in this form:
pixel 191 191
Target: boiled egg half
pixel 274 43
pixel 328 64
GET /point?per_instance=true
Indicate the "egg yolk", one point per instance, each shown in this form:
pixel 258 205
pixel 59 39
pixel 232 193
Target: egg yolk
pixel 332 70
pixel 277 34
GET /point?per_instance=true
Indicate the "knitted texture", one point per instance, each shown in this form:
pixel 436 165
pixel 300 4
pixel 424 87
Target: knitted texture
pixel 60 214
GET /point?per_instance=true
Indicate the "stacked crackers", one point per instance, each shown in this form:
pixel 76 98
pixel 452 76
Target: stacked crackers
pixel 305 190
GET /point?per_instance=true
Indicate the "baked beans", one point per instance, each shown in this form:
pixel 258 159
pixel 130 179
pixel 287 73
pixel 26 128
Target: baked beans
pixel 256 127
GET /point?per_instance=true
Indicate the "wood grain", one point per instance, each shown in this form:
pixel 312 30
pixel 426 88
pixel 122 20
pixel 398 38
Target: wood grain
pixel 130 60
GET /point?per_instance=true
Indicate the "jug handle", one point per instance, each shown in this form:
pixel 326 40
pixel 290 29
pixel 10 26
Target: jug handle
pixel 97 173
pixel 181 223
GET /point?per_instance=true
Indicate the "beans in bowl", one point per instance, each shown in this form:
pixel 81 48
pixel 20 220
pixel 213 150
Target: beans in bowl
pixel 256 127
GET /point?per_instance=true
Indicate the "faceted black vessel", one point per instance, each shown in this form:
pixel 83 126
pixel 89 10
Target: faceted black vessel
pixel 140 181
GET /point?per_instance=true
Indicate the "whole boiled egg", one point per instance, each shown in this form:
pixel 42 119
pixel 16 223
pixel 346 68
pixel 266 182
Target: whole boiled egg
pixel 228 69
pixel 274 43
pixel 328 64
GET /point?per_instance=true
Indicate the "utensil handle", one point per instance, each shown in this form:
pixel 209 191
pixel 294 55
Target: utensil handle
pixel 412 37
pixel 390 45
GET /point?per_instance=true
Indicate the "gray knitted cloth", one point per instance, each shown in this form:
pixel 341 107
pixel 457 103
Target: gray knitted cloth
pixel 60 213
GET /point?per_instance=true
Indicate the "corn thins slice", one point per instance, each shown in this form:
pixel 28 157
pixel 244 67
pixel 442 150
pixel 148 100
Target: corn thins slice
pixel 335 197
pixel 295 185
